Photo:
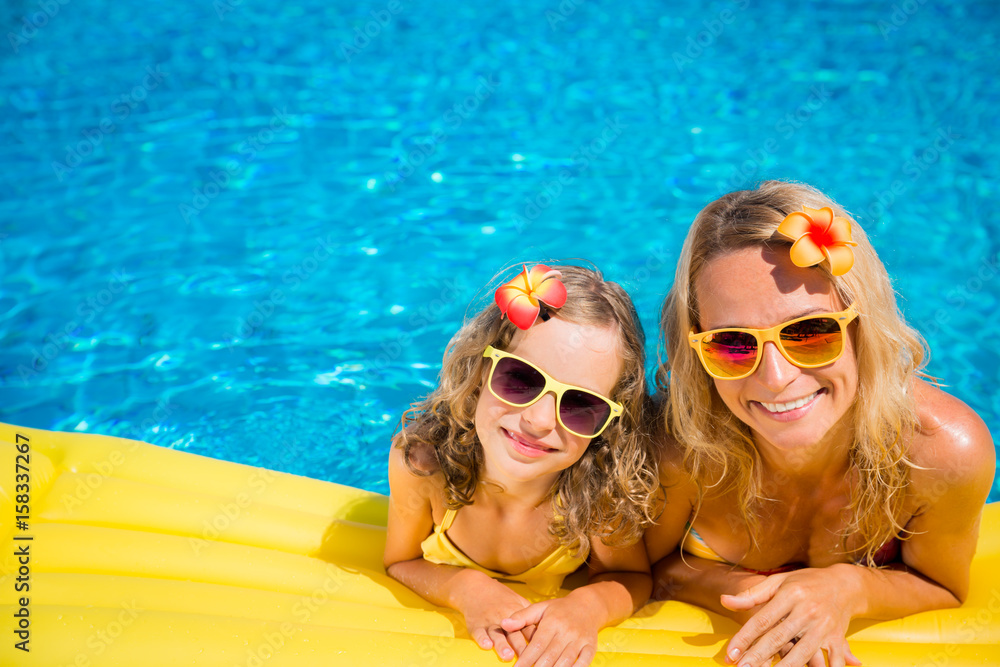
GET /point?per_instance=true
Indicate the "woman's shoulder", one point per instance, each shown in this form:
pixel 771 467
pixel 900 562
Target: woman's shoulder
pixel 951 426
pixel 953 446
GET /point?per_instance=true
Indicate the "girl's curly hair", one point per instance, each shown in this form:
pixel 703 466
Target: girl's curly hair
pixel 612 491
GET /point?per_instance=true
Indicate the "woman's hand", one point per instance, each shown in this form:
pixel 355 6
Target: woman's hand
pixel 801 614
pixel 565 634
pixel 485 602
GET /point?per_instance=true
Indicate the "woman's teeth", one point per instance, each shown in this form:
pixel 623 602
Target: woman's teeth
pixel 785 407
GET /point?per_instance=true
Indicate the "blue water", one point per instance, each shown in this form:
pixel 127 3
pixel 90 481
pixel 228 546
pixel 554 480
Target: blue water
pixel 247 230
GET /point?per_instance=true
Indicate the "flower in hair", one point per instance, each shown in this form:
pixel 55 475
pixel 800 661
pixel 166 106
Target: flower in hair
pixel 525 297
pixel 818 236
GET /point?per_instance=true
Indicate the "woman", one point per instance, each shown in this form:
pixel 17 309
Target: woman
pixel 813 476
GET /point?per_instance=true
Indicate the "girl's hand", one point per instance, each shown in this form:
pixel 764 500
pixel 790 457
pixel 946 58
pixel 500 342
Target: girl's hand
pixel 565 632
pixel 802 614
pixel 485 602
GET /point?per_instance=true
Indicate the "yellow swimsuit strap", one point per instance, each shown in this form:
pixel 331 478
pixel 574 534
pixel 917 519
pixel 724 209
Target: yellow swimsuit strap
pixel 446 521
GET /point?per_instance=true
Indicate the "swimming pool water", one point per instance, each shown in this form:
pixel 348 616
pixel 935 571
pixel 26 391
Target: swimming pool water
pixel 248 230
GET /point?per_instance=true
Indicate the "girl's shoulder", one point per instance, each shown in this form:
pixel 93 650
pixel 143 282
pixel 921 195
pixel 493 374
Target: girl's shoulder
pixel 953 447
pixel 419 476
pixel 675 476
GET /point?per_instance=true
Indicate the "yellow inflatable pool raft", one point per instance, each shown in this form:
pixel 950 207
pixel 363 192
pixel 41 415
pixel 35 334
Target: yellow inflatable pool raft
pixel 117 552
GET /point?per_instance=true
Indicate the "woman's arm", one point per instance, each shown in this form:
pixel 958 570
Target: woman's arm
pixel 702 582
pixel 955 463
pixel 567 627
pixel 483 601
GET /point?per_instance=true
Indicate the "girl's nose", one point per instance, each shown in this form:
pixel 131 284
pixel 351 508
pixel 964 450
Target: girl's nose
pixel 541 415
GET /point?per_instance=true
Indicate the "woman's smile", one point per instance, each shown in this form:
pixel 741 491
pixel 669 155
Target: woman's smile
pixel 788 411
pixel 786 406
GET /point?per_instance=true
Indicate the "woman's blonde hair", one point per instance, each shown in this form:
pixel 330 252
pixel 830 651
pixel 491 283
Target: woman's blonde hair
pixel 890 353
pixel 610 492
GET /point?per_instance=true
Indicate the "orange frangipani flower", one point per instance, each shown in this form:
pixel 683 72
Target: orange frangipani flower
pixel 818 236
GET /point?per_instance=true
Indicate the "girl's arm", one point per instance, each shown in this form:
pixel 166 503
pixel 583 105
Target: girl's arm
pixel 567 627
pixel 483 601
pixel 620 579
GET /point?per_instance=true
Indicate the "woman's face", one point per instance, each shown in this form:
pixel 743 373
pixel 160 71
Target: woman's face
pixel 757 288
pixel 527 444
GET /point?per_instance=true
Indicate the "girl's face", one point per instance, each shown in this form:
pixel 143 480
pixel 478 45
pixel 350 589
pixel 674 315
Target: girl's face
pixel 757 288
pixel 528 444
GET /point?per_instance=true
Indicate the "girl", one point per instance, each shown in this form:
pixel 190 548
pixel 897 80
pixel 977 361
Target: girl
pixel 808 448
pixel 527 456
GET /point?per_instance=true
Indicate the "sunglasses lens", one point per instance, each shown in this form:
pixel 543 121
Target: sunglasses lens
pixel 516 382
pixel 813 342
pixel 729 353
pixel 583 413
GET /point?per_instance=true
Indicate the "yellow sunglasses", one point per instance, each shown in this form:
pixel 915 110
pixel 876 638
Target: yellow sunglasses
pixel 807 342
pixel 519 383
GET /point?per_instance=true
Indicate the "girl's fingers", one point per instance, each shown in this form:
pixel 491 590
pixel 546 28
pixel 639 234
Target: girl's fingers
pixel 851 659
pixel 480 636
pixel 568 656
pixel 517 641
pixel 535 651
pixel 577 654
pixel 500 643
pixel 586 656
pixel 530 615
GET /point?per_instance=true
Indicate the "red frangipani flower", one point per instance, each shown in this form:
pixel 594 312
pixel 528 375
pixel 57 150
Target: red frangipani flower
pixel 819 236
pixel 521 299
